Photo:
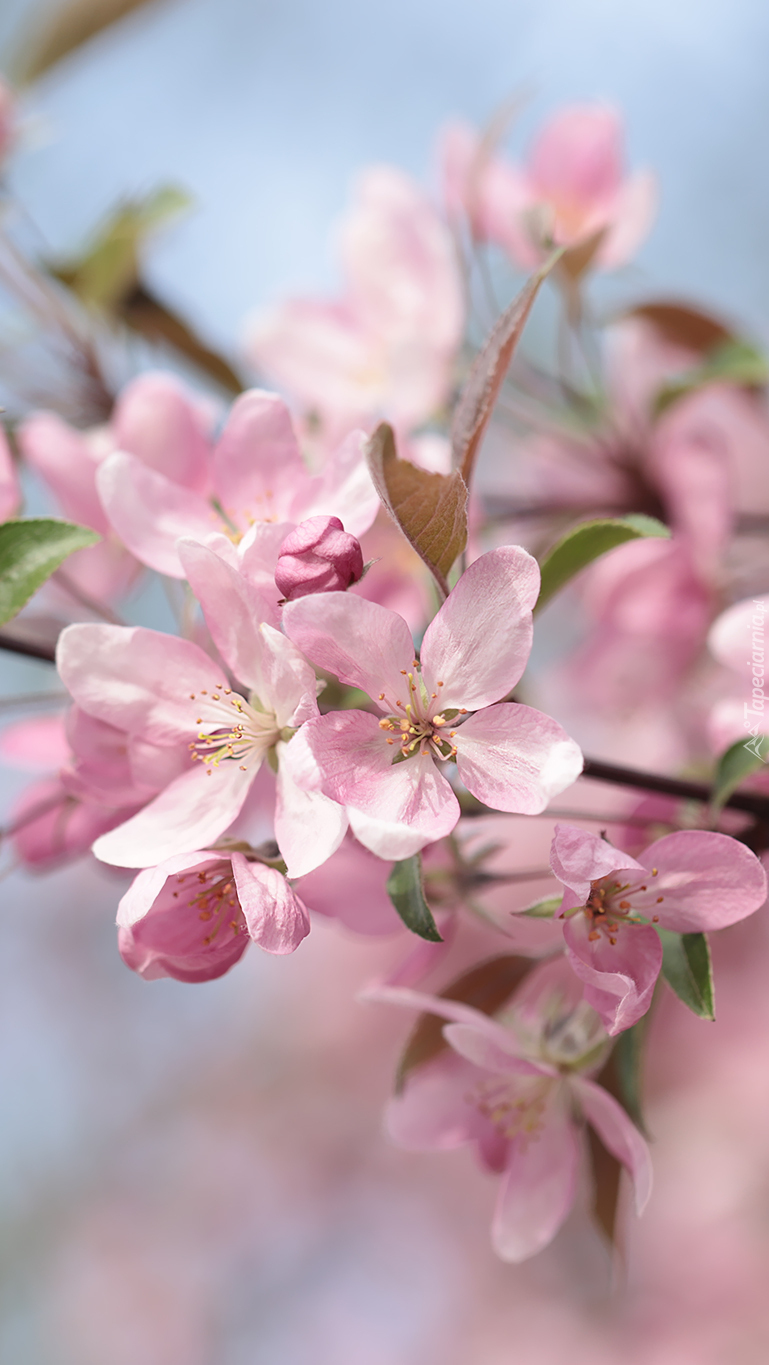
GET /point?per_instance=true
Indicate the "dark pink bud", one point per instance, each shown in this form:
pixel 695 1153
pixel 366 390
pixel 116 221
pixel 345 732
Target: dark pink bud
pixel 318 556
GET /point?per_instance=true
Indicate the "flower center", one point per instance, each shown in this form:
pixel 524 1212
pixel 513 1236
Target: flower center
pixel 516 1108
pixel 231 729
pixel 421 726
pixel 215 899
pixel 612 903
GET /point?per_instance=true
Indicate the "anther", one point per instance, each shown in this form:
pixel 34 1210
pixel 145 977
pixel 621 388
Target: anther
pixel 660 899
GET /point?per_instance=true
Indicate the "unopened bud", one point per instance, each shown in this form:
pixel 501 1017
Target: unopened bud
pixel 318 556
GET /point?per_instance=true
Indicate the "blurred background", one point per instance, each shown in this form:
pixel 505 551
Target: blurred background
pixel 198 1175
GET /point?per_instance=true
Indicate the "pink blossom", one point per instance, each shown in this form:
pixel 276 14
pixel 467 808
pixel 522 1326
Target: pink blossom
pixel 170 700
pixel 387 768
pixel 573 188
pixel 159 425
pixel 518 1087
pixel 318 556
pixel 689 882
pixel 387 347
pixel 90 787
pixel 257 488
pixel 193 916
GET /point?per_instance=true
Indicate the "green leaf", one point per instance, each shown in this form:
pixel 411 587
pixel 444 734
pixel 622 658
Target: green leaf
pixel 486 988
pixel 30 551
pixel 588 541
pixel 687 968
pixel 406 891
pixel 544 909
pixel 731 362
pixel 108 271
pixel 430 509
pixel 736 763
pixel 626 1062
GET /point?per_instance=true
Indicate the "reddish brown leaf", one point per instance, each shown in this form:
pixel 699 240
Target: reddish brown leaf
pixel 476 402
pixel 431 509
pixel 682 325
pixel 485 987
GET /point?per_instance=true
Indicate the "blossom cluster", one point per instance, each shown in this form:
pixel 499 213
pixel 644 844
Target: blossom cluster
pixel 343 708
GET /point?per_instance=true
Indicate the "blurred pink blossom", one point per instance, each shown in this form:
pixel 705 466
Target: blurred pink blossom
pixel 387 347
pixel 159 424
pixel 572 189
pixel 517 1086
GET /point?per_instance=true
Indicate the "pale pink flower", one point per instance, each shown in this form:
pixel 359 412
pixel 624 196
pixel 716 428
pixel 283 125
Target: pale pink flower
pixel 317 556
pixel 193 916
pixel 159 424
pixel 518 1088
pixel 690 881
pixel 256 488
pixel 90 787
pixel 387 346
pixel 572 188
pixel 386 768
pixel 164 692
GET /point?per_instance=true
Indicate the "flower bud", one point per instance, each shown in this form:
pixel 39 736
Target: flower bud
pixel 318 556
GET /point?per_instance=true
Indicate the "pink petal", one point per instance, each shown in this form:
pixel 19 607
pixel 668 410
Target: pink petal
pixel 309 827
pixel 157 421
pixel 258 466
pixel 147 885
pixel 707 880
pixel 515 758
pixel 385 839
pixel 539 1187
pixel 619 978
pixel 67 464
pixel 150 513
pixel 400 262
pixel 633 213
pixel 257 553
pixel 618 1134
pixel 344 489
pixel 317 351
pixel 276 918
pixel 355 768
pixel 494 1053
pixel 233 607
pixel 579 858
pixel 433 1112
pixel 478 644
pixel 578 156
pixel 364 644
pixel 136 679
pixel 188 815
pixel 351 887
